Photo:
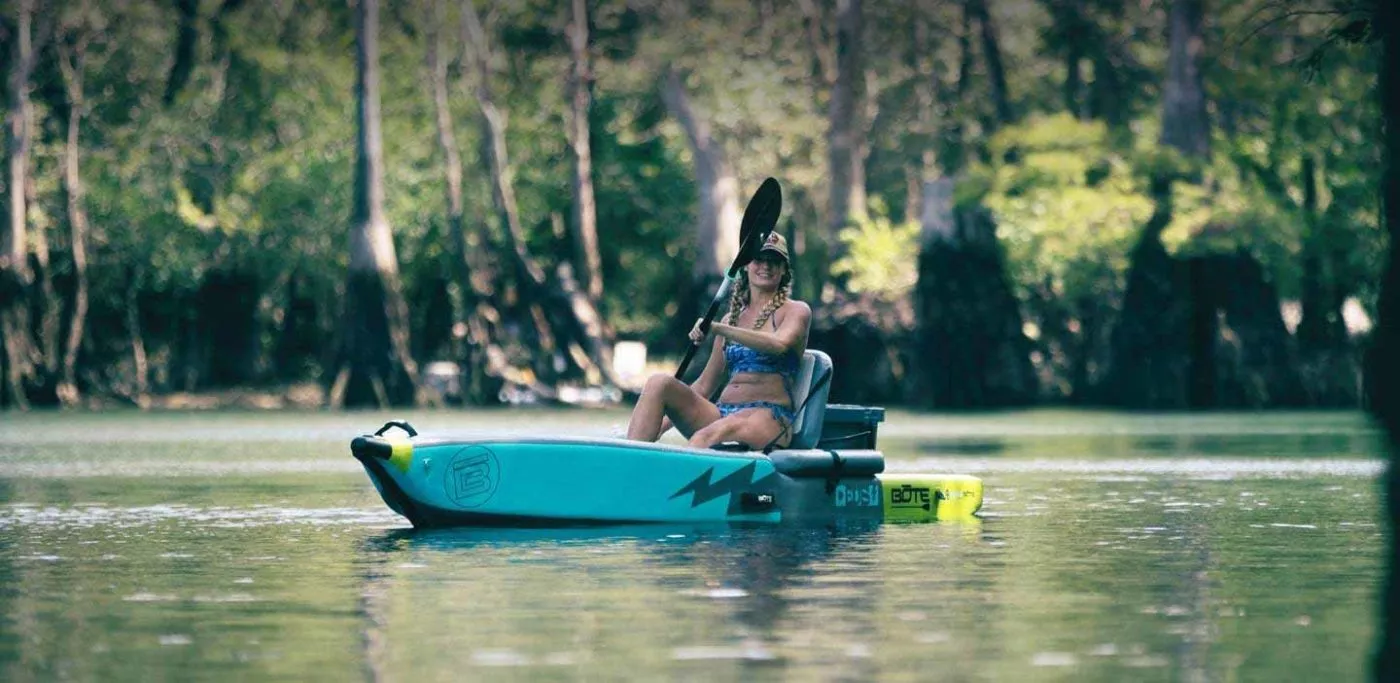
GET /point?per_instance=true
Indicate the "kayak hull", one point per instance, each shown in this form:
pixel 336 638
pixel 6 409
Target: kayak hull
pixel 543 481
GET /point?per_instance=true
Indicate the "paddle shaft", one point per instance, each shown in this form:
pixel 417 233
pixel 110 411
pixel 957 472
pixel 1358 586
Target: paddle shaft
pixel 705 324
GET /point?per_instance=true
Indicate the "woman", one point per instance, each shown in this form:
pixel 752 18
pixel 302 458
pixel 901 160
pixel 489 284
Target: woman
pixel 759 345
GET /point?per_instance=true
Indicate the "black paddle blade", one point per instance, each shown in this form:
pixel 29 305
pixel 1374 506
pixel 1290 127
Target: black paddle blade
pixel 760 217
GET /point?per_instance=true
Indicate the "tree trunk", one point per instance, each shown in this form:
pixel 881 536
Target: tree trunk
pixel 845 135
pixel 823 57
pixel 1184 122
pixel 719 216
pixel 1150 354
pixel 920 156
pixel 991 54
pixel 568 331
pixel 1153 365
pixel 587 260
pixel 15 274
pixel 186 40
pixel 231 339
pixel 141 390
pixel 472 270
pixel 1383 359
pixel 717 230
pixel 1321 328
pixel 71 64
pixel 971 349
pixel 954 146
pixel 1071 35
pixel 375 366
pixel 527 273
pixel 1241 354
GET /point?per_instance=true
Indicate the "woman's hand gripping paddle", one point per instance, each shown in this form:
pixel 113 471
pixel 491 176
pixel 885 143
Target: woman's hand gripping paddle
pixel 760 216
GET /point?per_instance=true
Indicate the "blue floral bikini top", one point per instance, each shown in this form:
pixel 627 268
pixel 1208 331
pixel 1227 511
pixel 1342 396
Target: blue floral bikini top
pixel 741 358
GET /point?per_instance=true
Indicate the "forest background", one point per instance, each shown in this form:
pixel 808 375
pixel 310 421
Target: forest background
pixel 1159 204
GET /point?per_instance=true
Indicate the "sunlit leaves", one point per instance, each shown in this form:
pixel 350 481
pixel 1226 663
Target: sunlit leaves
pixel 881 256
pixel 1062 197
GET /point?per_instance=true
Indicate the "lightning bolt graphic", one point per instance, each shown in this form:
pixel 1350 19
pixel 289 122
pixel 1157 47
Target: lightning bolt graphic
pixel 734 483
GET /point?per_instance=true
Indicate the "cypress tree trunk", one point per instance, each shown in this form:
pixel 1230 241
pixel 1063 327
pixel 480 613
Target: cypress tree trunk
pixel 1184 122
pixel 566 330
pixel 375 367
pixel 472 270
pixel 140 391
pixel 991 54
pixel 845 136
pixel 587 259
pixel 1151 357
pixel 16 277
pixel 70 63
pixel 1383 361
pixel 718 215
pixel 970 348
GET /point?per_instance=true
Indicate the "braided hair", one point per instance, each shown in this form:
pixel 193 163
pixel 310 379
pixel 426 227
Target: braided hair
pixel 739 298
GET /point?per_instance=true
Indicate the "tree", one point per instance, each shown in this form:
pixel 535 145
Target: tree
pixel 588 263
pixel 568 333
pixel 375 367
pixel 717 190
pixel 72 57
pixel 968 339
pixel 845 137
pixel 1150 355
pixel 1184 123
pixel 16 276
pixel 1383 359
pixel 472 260
pixel 991 56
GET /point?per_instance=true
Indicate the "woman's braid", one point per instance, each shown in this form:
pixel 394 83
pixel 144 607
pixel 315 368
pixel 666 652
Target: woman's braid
pixel 738 297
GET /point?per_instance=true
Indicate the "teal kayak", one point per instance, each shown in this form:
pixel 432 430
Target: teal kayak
pixel 832 472
pixel 549 481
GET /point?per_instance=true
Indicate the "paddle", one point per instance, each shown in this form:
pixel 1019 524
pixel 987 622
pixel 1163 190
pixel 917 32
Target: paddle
pixel 760 216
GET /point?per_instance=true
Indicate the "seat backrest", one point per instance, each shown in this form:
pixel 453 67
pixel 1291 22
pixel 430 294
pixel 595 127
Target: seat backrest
pixel 811 386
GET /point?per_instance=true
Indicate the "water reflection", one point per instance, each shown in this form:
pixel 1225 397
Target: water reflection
pixel 741 595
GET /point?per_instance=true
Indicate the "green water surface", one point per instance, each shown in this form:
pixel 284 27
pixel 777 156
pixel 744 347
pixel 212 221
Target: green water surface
pixel 250 546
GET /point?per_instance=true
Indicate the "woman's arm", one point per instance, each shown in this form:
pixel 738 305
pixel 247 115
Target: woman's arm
pixel 791 333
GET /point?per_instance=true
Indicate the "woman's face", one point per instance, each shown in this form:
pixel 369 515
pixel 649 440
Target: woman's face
pixel 766 271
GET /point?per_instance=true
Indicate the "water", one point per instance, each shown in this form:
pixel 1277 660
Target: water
pixel 1111 547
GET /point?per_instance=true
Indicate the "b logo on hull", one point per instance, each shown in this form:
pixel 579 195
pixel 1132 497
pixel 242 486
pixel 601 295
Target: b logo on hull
pixel 472 476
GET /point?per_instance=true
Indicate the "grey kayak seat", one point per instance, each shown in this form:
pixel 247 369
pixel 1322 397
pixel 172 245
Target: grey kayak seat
pixel 810 390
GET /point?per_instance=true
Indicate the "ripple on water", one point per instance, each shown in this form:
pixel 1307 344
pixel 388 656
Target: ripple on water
pixel 90 516
pixel 747 651
pixel 1189 468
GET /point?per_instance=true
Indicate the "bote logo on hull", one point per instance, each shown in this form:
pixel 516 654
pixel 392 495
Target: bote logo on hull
pixel 472 477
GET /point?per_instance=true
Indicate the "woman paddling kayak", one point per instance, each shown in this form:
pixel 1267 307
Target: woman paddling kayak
pixel 760 345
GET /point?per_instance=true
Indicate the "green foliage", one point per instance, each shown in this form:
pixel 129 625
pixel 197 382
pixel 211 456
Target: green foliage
pixel 251 166
pixel 1066 199
pixel 879 257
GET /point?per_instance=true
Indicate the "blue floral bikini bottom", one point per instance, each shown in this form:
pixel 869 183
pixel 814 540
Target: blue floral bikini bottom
pixel 781 413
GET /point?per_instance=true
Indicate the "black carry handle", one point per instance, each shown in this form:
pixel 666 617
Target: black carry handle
pixel 401 424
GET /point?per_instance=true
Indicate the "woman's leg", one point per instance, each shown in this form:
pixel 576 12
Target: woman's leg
pixel 666 396
pixel 754 427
